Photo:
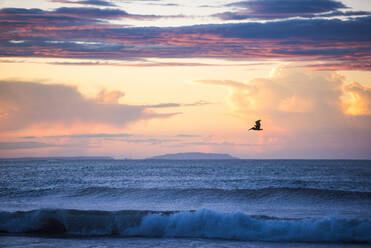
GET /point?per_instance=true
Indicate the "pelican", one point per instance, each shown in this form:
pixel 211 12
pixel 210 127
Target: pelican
pixel 257 126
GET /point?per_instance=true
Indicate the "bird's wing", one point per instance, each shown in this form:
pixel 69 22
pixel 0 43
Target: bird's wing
pixel 257 124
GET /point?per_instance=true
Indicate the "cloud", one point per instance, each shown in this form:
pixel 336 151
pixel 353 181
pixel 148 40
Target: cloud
pixel 153 141
pixel 90 13
pixel 104 135
pixel 288 92
pixel 142 64
pixel 87 2
pixel 277 9
pixel 109 97
pixel 24 104
pixel 336 65
pixel 188 136
pixel 360 102
pixel 79 136
pixel 117 137
pixel 344 14
pixel 23 145
pixel 285 94
pixel 175 105
pixel 65 16
pixel 305 112
pixel 86 33
pixel 106 13
pixel 216 144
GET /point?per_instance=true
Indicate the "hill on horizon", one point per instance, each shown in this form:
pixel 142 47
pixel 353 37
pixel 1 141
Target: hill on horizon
pixel 194 155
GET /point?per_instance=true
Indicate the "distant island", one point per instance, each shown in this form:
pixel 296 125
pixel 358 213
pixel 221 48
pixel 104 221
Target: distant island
pixel 194 155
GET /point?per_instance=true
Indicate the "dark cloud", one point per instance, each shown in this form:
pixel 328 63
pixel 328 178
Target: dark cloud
pixel 91 13
pixel 68 35
pixel 25 104
pixel 65 16
pixel 37 20
pixel 299 31
pixel 277 9
pixel 290 6
pixel 245 16
pixel 97 2
pixel 87 2
pixel 98 13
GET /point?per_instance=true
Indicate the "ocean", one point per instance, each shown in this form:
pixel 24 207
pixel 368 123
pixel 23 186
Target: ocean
pixel 185 203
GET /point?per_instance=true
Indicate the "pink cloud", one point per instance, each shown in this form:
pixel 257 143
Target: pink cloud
pixel 24 104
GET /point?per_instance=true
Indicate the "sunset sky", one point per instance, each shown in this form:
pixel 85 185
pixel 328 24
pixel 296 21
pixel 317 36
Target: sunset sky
pixel 138 78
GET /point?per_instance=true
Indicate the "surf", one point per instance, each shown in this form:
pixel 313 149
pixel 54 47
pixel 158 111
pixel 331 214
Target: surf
pixel 185 224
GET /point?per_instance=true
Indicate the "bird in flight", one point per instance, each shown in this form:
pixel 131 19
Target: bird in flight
pixel 257 126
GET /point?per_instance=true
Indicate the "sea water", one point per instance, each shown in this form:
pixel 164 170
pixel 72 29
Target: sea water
pixel 185 203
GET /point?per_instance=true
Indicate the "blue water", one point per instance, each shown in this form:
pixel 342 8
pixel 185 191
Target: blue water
pixel 192 203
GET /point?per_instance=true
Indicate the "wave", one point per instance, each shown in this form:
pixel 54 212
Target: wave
pixel 33 192
pixel 196 224
pixel 309 195
pixel 227 194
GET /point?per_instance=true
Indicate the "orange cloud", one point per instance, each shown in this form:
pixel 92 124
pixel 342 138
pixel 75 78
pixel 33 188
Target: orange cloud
pixel 303 112
pixel 360 101
pixel 286 92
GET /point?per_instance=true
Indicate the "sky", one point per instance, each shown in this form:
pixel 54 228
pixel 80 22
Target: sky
pixel 139 78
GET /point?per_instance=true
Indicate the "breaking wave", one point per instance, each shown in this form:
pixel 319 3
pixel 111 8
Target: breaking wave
pixel 197 224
